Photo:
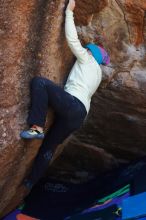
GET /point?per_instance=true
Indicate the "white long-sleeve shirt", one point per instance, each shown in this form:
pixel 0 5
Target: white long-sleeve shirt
pixel 86 74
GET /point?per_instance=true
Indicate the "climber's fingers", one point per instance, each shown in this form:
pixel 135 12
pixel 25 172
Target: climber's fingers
pixel 71 5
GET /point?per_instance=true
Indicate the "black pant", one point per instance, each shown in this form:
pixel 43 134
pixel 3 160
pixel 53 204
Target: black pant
pixel 69 116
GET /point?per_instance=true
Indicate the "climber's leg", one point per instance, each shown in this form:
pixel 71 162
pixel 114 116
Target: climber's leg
pixel 39 101
pixel 45 93
pixel 60 130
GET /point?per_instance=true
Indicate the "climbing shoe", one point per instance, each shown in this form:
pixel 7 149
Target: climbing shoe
pixel 32 134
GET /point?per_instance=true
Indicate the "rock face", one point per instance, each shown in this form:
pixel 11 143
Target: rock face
pixel 33 43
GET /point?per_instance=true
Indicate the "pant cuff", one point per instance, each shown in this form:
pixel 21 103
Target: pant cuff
pixel 31 122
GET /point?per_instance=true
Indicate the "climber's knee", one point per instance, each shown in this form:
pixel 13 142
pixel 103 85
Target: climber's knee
pixel 38 81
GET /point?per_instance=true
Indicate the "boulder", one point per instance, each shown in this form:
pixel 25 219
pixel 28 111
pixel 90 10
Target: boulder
pixel 33 44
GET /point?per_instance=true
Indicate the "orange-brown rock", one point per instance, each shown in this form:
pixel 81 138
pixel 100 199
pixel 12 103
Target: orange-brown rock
pixel 33 43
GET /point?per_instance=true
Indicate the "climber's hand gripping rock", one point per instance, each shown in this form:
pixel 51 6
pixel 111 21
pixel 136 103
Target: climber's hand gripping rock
pixel 71 5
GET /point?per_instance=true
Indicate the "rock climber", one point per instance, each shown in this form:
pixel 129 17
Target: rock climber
pixel 71 104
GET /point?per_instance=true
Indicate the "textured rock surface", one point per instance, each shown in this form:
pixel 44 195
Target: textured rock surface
pixel 33 43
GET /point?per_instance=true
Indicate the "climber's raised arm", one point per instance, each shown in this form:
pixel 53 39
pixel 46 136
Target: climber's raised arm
pixel 72 36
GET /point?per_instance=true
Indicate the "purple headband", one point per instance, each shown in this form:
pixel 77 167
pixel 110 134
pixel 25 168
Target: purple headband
pixel 105 56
